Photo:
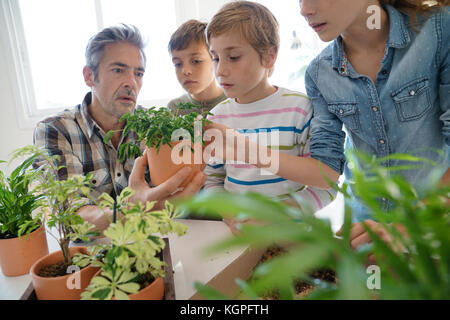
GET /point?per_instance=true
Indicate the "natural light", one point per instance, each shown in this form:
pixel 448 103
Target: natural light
pixel 56 40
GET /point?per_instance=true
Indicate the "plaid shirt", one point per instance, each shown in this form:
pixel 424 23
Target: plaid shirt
pixel 78 140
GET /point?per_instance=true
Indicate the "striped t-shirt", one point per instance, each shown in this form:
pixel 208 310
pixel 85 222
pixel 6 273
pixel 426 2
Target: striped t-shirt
pixel 281 121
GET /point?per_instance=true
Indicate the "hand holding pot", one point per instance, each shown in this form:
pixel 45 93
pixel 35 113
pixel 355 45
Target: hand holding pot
pixel 166 190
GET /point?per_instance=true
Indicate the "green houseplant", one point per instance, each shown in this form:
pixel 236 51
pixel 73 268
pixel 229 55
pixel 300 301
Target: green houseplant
pixel 60 201
pixel 22 234
pixel 130 265
pixel 420 270
pixel 160 131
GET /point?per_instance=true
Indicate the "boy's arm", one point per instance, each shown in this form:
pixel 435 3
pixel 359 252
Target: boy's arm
pixel 307 171
pixel 315 197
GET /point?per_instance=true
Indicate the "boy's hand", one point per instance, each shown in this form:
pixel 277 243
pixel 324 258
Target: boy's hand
pixel 230 145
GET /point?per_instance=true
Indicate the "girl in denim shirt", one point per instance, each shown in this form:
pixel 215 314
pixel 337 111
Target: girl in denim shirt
pixel 387 83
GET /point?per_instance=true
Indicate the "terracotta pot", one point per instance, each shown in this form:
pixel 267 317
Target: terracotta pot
pixel 155 291
pixel 17 255
pixel 60 288
pixel 161 166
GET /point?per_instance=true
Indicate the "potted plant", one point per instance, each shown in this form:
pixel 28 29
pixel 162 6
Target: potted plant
pixel 415 266
pixel 61 200
pixel 22 234
pixel 160 131
pixel 131 267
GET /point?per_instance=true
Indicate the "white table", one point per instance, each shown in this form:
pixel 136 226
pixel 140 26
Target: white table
pixel 188 259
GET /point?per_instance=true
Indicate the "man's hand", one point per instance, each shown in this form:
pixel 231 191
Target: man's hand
pixel 165 191
pixel 359 236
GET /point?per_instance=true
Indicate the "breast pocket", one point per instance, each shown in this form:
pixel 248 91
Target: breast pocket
pixel 347 113
pixel 101 179
pixel 412 100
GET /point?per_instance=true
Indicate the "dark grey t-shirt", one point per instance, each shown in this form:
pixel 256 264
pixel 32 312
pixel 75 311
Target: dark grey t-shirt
pixel 206 106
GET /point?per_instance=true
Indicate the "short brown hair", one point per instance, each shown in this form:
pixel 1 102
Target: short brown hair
pixel 191 30
pixel 252 20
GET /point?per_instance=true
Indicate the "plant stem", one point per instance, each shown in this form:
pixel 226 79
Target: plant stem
pixel 64 244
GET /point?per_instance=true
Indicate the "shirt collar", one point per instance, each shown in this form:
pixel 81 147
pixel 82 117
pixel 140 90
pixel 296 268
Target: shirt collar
pixel 398 38
pixel 88 120
pixel 91 124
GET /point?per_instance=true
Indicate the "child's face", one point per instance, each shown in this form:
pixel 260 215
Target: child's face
pixel 239 68
pixel 193 67
pixel 330 18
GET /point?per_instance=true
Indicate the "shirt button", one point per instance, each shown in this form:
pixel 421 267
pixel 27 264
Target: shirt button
pixel 119 174
pixel 341 111
pixel 382 141
pixel 375 109
pixel 384 72
pixel 412 93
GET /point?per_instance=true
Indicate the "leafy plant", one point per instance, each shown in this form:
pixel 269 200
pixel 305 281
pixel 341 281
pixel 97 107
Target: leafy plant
pixel 416 267
pixel 130 260
pixel 155 126
pixel 18 201
pixel 61 199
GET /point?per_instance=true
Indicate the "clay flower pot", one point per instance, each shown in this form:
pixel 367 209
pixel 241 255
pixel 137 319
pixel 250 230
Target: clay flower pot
pixel 67 287
pixel 17 255
pixel 155 291
pixel 162 167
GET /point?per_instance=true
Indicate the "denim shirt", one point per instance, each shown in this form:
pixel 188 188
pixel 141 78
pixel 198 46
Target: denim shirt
pixel 405 111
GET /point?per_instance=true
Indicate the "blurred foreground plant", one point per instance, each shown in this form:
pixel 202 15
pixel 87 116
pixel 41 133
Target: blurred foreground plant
pixel 420 271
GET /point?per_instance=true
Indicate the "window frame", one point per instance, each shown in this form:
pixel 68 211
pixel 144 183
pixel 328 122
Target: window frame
pixel 19 68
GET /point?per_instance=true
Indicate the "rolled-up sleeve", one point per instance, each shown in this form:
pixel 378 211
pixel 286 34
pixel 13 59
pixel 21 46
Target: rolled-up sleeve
pixel 327 136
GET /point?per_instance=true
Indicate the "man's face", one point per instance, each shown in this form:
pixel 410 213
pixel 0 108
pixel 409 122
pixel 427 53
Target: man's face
pixel 119 79
pixel 193 67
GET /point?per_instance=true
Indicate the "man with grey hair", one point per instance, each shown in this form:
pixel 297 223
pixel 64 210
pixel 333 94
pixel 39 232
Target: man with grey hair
pixel 115 66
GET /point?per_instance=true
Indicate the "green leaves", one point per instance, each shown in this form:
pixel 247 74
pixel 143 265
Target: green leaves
pixel 59 199
pixel 415 266
pixel 18 200
pixel 155 127
pixel 135 242
pixel 111 285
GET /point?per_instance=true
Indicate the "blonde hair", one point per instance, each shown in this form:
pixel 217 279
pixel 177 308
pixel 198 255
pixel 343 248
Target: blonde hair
pixel 417 7
pixel 253 21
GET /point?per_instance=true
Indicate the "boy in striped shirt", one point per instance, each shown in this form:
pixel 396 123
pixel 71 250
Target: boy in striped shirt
pixel 243 39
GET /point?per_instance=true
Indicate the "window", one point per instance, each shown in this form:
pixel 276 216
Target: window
pixel 55 41
pixel 299 44
pixel 48 48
